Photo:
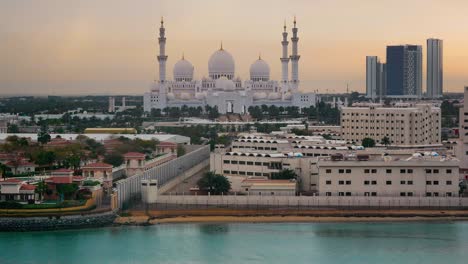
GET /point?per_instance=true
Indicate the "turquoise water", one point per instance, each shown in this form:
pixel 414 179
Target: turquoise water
pixel 244 243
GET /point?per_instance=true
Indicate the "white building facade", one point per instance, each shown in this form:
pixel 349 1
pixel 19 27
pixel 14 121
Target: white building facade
pixel 405 124
pixel 222 89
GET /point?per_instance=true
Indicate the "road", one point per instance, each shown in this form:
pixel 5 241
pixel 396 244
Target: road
pixel 185 186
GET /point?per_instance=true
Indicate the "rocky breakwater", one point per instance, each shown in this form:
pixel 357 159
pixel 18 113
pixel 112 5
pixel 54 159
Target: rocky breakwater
pixel 44 223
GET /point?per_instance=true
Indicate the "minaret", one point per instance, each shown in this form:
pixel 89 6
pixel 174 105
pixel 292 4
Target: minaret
pixel 294 59
pixel 285 58
pixel 162 58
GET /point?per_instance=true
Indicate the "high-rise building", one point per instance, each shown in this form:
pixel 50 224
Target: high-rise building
pixel 435 74
pixel 404 71
pixel 375 78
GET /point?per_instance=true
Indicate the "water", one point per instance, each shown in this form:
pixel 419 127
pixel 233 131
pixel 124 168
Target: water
pixel 244 243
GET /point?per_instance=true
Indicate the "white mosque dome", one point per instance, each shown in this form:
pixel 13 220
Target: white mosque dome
pixel 221 63
pixel 287 96
pixel 171 96
pixel 225 84
pixel 259 70
pixel 274 96
pixel 259 95
pixel 183 70
pixel 185 96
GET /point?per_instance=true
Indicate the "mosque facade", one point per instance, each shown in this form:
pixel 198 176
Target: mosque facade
pixel 222 89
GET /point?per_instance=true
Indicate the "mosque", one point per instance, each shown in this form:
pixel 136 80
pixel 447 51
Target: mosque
pixel 222 88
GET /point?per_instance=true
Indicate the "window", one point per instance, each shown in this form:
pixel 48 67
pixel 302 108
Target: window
pixel 402 194
pixel 428 171
pixel 328 171
pixel 226 172
pixel 428 182
pixel 348 182
pixel 241 162
pixel 435 182
pixel 428 194
pixel 410 170
pixel 341 194
pixel 373 194
pixel 402 171
pixel 448 171
pixel 367 194
pixel 340 182
pixel 410 194
pixel 448 182
pixel 402 182
pixel 388 182
pixel 410 182
pixel 328 194
pixel 340 171
pixel 234 172
pixel 258 164
pixel 227 161
pixel 241 172
pixel 366 182
pixel 436 194
pixel 249 173
pixel 374 182
pixel 366 171
pixel 327 182
pixel 348 193
pixel 258 174
pixel 233 161
pixel 266 164
pixel 249 162
pixel 374 170
pixel 389 171
pixel 348 170
pixel 436 171
pixel 449 194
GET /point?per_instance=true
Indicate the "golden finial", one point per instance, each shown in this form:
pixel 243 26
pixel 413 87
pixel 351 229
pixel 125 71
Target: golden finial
pixel 259 56
pixel 294 20
pixel 284 25
pixel 162 20
pixel 221 46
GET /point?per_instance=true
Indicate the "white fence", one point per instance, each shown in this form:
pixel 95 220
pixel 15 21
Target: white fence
pixel 312 201
pixel 130 188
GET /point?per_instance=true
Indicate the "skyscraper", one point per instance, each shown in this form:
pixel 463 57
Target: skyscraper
pixel 404 71
pixel 375 78
pixel 435 73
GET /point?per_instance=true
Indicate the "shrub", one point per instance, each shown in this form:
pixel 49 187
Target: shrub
pixel 10 205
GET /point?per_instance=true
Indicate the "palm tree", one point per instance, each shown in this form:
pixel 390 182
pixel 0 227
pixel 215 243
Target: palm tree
pixel 385 141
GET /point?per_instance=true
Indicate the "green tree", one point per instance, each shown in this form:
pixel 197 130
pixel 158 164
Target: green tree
pixel 67 190
pixel 385 141
pixel 286 174
pixel 46 158
pixel 3 170
pixel 12 128
pixel 41 189
pixel 180 150
pixel 115 159
pixel 368 143
pixel 43 135
pixel 214 183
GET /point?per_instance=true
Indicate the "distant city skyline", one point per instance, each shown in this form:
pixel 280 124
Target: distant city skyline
pixel 110 47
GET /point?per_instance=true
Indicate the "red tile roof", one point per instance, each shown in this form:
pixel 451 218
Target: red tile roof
pixel 167 144
pixel 28 187
pixel 78 178
pixel 59 180
pixel 97 165
pixel 11 180
pixel 134 154
pixel 20 163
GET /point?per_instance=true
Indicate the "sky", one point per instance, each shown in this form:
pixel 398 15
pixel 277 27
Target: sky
pixel 61 47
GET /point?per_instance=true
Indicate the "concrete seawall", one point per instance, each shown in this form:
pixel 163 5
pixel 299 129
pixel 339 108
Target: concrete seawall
pixel 21 224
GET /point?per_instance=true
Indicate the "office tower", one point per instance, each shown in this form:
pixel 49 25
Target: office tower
pixel 404 71
pixel 435 72
pixel 375 78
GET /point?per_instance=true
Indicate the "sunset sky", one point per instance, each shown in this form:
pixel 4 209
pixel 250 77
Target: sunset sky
pixel 110 46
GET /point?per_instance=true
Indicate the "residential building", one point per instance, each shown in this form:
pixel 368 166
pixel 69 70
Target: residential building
pixel 17 190
pixel 404 71
pixel 3 126
pixel 435 69
pixel 404 124
pixel 21 166
pixel 462 143
pixel 99 171
pixel 429 176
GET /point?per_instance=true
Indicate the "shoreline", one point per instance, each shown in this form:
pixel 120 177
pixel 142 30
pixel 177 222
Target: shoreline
pixel 139 218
